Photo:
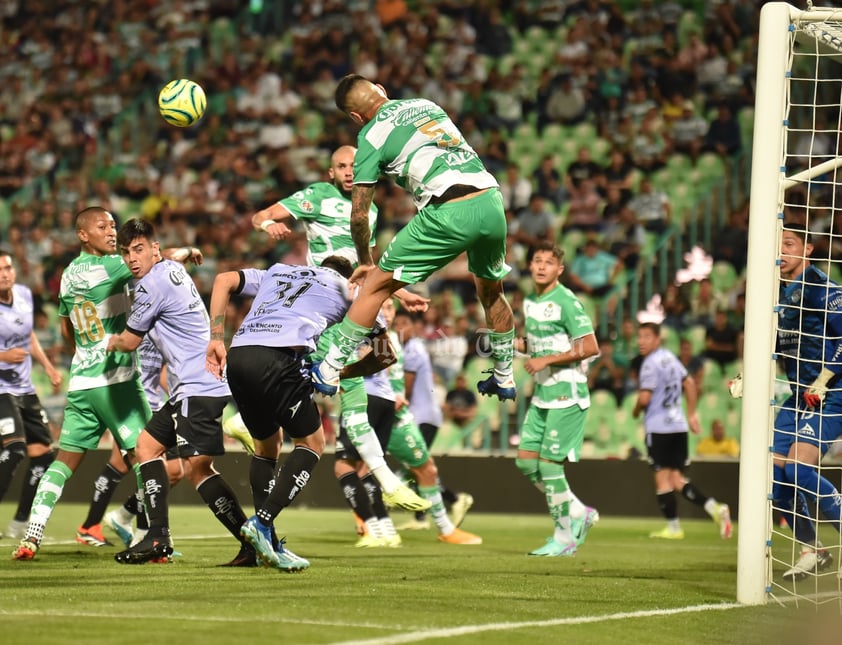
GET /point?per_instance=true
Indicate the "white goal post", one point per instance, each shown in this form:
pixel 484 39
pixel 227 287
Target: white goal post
pixel 818 32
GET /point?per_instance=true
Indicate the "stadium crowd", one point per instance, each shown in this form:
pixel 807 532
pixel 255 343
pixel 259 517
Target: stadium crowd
pixel 647 82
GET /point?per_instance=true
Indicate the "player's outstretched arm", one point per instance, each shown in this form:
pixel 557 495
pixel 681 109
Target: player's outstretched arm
pixel 127 341
pixel 39 355
pixel 274 221
pixel 223 286
pixel 183 254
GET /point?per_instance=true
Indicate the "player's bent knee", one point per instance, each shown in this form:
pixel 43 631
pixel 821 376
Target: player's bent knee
pixel 529 468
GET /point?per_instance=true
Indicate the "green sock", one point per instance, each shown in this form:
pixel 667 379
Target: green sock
pixel 502 351
pixel 437 510
pixel 347 338
pixel 558 499
pixel 49 492
pixel 353 403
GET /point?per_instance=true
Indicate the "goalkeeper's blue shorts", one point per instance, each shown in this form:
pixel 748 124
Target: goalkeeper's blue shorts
pixel 819 427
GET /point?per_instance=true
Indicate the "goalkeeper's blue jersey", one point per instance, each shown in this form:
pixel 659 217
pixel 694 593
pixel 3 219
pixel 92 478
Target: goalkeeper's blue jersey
pixel 810 328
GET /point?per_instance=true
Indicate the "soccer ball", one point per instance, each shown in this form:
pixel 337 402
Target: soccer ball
pixel 182 102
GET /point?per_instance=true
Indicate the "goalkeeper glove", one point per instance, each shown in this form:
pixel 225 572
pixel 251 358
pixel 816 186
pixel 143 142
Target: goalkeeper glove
pixel 735 386
pixel 815 394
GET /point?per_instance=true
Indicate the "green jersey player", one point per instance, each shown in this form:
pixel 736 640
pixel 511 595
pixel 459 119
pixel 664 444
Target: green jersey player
pixel 324 209
pixel 104 389
pixel 459 210
pixel 559 338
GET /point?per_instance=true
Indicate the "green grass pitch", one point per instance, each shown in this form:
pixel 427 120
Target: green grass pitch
pixel 621 587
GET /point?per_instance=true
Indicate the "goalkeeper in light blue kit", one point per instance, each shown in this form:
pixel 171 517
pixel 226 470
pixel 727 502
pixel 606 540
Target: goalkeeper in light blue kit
pixel 810 345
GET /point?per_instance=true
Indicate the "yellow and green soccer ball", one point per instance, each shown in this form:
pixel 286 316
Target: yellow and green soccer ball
pixel 182 102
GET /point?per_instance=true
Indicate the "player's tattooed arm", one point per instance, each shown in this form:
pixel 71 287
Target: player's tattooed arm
pixel 361 198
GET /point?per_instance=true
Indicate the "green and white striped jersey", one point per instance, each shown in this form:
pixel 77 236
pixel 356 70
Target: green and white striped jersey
pixel 94 294
pixel 326 215
pixel 554 321
pixel 415 142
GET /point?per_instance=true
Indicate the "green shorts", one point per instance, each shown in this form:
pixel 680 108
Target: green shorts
pixel 406 444
pixel 121 408
pixel 555 434
pixel 439 233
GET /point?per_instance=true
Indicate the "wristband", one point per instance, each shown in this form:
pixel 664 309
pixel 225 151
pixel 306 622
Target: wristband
pixel 265 224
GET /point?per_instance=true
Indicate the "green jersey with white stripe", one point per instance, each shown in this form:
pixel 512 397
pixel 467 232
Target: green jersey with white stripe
pixel 415 142
pixel 94 294
pixel 554 320
pixel 326 214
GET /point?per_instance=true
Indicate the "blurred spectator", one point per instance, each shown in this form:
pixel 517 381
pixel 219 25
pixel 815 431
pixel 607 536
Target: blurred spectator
pixel 694 364
pixel 567 103
pixel 604 373
pixel 515 189
pixel 732 239
pixel 721 340
pixel 717 444
pixel 593 271
pixel 651 207
pixel 584 212
pixel 619 173
pixel 460 403
pixel 535 223
pixel 676 307
pixel 625 237
pixel 704 304
pixel 723 136
pixel 548 182
pixel 687 134
pixel 584 168
pixel 649 149
pixel 447 349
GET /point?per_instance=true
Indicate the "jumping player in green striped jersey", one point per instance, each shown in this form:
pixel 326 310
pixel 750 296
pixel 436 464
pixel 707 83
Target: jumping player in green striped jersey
pixel 559 336
pixel 459 210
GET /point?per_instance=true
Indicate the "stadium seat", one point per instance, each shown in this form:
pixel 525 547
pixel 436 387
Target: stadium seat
pixel 723 277
pixel 713 379
pixel 696 334
pixel 712 168
pixel 669 338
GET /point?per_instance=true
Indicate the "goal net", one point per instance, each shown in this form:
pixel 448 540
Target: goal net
pixel 796 179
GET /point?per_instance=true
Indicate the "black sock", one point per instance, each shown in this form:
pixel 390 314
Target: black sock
pixel 447 496
pixel 261 478
pixel 10 458
pixel 693 494
pixel 356 495
pixel 668 505
pixel 291 478
pixel 104 486
pixel 156 489
pixel 37 467
pixel 223 503
pixel 375 496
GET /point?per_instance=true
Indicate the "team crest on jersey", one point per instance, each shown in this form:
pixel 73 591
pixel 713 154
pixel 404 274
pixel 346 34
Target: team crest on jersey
pixel 306 205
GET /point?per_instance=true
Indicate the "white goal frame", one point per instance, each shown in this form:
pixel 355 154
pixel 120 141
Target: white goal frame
pixel 768 184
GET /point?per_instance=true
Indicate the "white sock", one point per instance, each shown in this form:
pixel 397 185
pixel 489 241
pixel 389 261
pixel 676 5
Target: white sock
pixel 388 481
pixel 577 509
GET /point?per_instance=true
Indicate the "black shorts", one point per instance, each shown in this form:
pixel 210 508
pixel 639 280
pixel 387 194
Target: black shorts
pixel 667 450
pixel 381 417
pixel 23 418
pixel 272 390
pixel 197 420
